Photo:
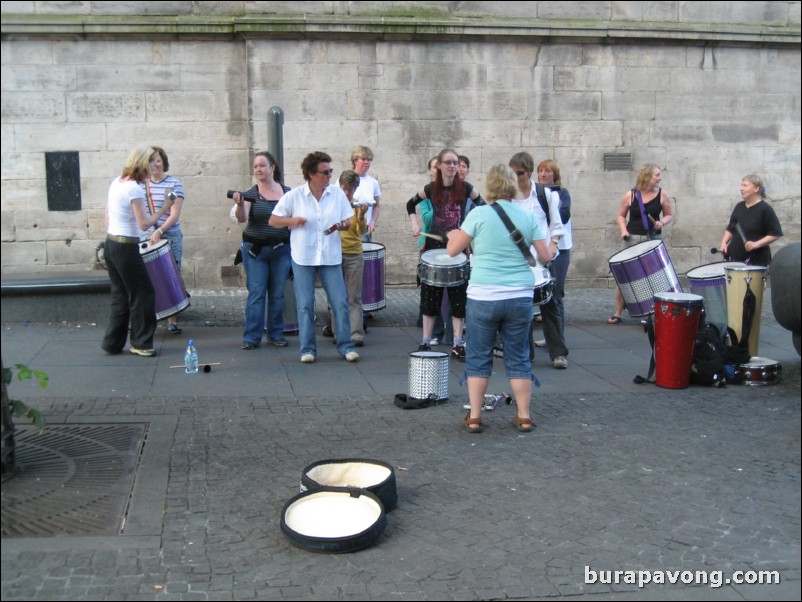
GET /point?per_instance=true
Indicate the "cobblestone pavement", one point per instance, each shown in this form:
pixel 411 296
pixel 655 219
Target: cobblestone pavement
pixel 616 476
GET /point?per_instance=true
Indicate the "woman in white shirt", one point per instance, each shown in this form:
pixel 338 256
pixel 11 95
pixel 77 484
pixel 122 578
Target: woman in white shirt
pixel 133 300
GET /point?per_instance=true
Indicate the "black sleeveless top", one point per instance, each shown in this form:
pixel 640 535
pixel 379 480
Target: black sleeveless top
pixel 653 209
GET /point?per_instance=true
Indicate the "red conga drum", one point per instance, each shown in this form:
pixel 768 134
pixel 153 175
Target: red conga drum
pixel 677 317
pixel 171 294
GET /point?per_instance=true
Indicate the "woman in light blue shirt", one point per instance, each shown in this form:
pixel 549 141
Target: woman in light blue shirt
pixel 500 292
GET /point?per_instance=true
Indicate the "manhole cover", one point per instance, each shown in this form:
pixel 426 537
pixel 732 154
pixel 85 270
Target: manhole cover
pixel 71 480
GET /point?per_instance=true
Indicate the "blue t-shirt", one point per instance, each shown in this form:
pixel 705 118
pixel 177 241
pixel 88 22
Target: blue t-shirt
pixel 497 260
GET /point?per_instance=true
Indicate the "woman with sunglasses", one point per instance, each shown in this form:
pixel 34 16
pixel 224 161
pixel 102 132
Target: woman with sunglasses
pixel 444 204
pixel 315 213
pixel 545 205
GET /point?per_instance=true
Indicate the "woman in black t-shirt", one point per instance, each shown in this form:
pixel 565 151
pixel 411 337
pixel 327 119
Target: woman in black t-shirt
pixel 753 226
pixel 265 253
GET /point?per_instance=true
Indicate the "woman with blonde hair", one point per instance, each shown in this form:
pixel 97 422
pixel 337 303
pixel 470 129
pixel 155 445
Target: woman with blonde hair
pixel 500 291
pixel 133 300
pixel 642 214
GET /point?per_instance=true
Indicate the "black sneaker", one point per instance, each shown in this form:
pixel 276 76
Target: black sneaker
pixel 327 331
pixel 458 352
pixel 424 347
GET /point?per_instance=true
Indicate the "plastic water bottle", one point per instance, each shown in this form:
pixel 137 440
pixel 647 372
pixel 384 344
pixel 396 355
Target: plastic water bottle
pixel 191 358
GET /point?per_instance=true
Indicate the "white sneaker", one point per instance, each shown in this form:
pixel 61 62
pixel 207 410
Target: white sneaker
pixel 352 356
pixel 560 363
pixel 540 343
pixel 307 358
pixel 434 342
pixel 466 405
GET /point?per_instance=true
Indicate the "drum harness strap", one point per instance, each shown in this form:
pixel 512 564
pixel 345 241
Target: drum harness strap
pixel 648 326
pixel 515 235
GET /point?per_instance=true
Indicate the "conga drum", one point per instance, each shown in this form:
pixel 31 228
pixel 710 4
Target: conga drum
pixel 641 271
pixel 171 294
pixel 677 317
pixel 710 282
pixel 745 286
pixel 373 277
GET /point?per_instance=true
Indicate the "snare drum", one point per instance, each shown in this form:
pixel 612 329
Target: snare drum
pixel 438 268
pixel 373 277
pixel 760 371
pixel 171 295
pixel 544 284
pixel 710 281
pixel 739 280
pixel 641 271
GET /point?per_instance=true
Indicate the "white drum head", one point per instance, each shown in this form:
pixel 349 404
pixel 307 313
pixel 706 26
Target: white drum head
pixel 371 246
pixel 541 274
pixel 332 514
pixel 442 258
pixel 678 297
pixel 742 267
pixel 349 474
pixel 146 247
pixel 760 361
pixel 635 251
pixel 711 271
pixel 428 354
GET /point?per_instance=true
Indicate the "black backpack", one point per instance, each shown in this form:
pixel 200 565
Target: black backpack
pixel 709 351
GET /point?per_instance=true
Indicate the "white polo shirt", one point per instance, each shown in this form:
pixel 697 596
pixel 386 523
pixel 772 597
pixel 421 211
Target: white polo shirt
pixel 309 244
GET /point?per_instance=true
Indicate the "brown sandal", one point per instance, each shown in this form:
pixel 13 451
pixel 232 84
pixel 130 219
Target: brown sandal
pixel 472 425
pixel 524 425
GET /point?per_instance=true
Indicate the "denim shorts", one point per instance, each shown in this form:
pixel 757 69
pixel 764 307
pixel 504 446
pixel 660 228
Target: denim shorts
pixel 510 317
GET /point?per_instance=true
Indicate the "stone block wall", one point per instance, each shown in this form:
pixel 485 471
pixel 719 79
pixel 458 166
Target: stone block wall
pixel 708 93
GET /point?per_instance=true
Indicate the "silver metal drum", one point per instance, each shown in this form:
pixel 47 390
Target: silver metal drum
pixel 428 375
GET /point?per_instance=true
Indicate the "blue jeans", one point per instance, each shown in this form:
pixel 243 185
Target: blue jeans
pixel 176 238
pixel 510 317
pixel 265 276
pixel 331 277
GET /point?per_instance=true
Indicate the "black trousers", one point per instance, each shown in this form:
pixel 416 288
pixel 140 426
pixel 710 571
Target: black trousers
pixel 133 300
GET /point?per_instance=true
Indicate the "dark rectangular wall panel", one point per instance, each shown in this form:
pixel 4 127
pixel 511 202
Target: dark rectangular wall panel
pixel 63 181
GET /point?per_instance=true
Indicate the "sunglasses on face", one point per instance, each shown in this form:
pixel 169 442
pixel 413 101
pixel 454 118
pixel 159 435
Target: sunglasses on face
pixel 520 173
pixel 326 172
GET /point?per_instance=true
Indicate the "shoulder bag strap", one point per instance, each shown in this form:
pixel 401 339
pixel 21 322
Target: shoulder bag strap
pixel 515 234
pixel 540 191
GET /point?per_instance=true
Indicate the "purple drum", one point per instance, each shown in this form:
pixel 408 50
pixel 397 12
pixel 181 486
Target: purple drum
pixel 171 295
pixel 641 271
pixel 373 276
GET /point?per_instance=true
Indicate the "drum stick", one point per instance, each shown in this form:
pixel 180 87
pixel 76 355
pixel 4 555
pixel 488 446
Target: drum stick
pixel 740 231
pixel 206 364
pixel 434 236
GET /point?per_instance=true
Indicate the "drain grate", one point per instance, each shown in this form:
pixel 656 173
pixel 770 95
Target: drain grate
pixel 72 479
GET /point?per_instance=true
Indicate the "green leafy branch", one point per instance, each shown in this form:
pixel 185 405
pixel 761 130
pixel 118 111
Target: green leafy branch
pixel 18 408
